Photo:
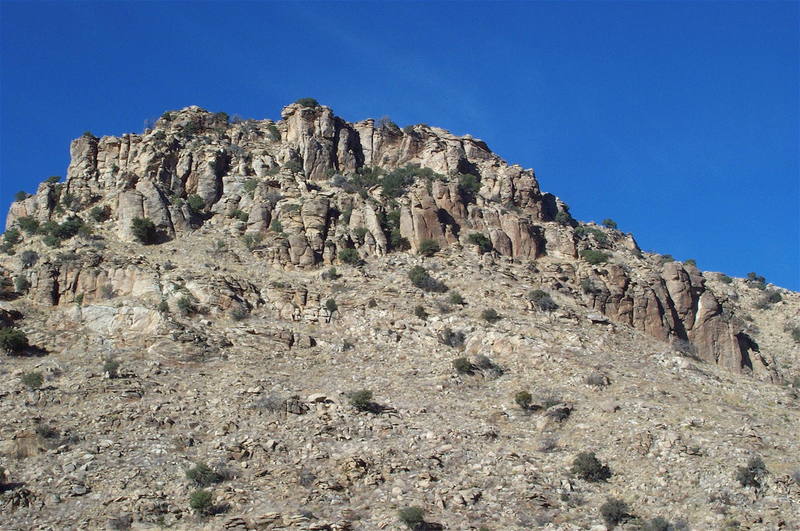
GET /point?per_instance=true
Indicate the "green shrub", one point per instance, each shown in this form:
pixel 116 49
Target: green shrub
pixel 455 298
pixel 350 256
pixel 595 257
pixel 240 215
pixel 586 466
pixel 12 237
pixel 28 224
pixel 20 196
pixel 660 524
pixel 614 512
pixel 331 305
pixel 542 300
pixel 428 247
pixel 490 315
pixel 111 366
pixel 163 307
pixel 144 231
pixel 725 279
pixel 21 284
pixel 795 333
pixel 756 281
pixel 195 203
pixel 100 214
pixel 362 400
pixel 69 228
pixel 690 262
pixel 452 338
pixel 463 366
pixel 484 244
pixel 609 223
pixel 665 259
pixel 250 186
pixel 239 313
pixel 420 313
pixel 468 187
pixel 202 501
pixel 276 226
pixel 33 380
pixel 202 475
pixel 253 240
pixel 360 233
pixel 294 166
pixel 28 258
pixel 13 340
pixel 584 232
pixel 523 399
pixel 563 217
pixel 751 475
pixel 412 517
pixel 274 133
pixel 185 305
pixel 307 102
pixel 53 179
pixel 331 274
pixel 421 279
pixel 51 241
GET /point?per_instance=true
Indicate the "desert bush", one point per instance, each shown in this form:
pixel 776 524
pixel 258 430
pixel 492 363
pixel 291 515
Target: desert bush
pixel 349 256
pixel 609 223
pixel 584 231
pixel 468 187
pixel 361 400
pixel 239 313
pixel 614 512
pixel 185 305
pixel 455 298
pixel 274 133
pixel 542 300
pixel 294 166
pixel 144 231
pixel 523 399
pixel 463 366
pixel 28 258
pixel 13 340
pixel 795 333
pixel 28 224
pixel 163 307
pixel 111 366
pixel 202 501
pixel 21 284
pixel 484 244
pixel 51 241
pixel 596 380
pixel 331 274
pixel 490 315
pixel 586 466
pixel 547 444
pixel 595 257
pixel 769 298
pixel 307 102
pixel 428 247
pixel 725 279
pixel 756 281
pixel 360 233
pixel 240 215
pixel 690 262
pixel 331 305
pixel 195 203
pixel 53 179
pixel 452 338
pixel 100 214
pixel 412 517
pixel 662 524
pixel 252 240
pixel 421 279
pixel 202 475
pixel 20 196
pixel 563 217
pixel 420 312
pixel 32 380
pixel 751 474
pixel 12 237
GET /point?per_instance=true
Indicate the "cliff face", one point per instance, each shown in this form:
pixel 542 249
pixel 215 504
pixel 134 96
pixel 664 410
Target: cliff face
pixel 300 188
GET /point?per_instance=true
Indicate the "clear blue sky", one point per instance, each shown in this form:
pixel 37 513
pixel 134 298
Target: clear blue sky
pixel 678 120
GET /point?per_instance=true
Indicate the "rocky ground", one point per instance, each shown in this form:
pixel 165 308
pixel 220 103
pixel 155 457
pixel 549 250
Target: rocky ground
pixel 210 348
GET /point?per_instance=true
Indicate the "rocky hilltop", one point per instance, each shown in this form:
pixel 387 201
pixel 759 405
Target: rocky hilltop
pixel 215 289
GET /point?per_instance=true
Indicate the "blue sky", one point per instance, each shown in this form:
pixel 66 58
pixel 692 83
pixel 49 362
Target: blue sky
pixel 677 119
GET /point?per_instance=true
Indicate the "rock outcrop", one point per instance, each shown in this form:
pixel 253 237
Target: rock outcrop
pixel 308 186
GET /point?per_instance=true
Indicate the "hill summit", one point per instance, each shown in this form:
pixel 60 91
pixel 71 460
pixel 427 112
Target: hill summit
pixel 308 303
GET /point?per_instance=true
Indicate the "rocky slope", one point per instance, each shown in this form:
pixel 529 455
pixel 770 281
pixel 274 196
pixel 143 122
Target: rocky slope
pixel 238 343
